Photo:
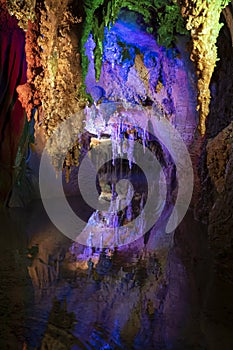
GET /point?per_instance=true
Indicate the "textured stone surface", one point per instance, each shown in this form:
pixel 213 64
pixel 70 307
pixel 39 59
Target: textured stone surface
pixel 219 151
pixel 216 163
pixel 203 22
pixel 220 156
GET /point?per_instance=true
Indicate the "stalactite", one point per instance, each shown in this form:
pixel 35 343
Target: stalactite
pixel 60 60
pixel 54 71
pixel 62 72
pixel 101 15
pixel 76 155
pixel 203 22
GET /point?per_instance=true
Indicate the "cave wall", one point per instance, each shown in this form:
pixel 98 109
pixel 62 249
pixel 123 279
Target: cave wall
pixel 217 173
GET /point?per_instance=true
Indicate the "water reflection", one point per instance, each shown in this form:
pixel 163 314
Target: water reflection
pixel 132 297
pixel 52 299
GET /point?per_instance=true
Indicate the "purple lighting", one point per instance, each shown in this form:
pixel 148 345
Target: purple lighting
pixel 137 70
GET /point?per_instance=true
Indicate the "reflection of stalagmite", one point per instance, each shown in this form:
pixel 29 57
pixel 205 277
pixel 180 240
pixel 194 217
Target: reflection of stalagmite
pixel 46 265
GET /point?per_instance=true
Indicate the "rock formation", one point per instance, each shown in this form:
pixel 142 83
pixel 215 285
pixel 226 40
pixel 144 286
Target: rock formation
pixel 166 290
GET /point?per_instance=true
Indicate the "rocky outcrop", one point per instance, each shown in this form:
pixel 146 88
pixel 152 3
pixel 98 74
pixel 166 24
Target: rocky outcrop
pixel 220 166
pixel 215 165
pixel 219 151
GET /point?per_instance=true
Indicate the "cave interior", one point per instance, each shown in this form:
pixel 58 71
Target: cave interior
pixel 116 174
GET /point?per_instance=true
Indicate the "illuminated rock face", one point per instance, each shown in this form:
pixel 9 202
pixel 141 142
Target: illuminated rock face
pixel 60 60
pixel 216 161
pixel 56 40
pixel 203 22
pixel 54 72
pixel 136 69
